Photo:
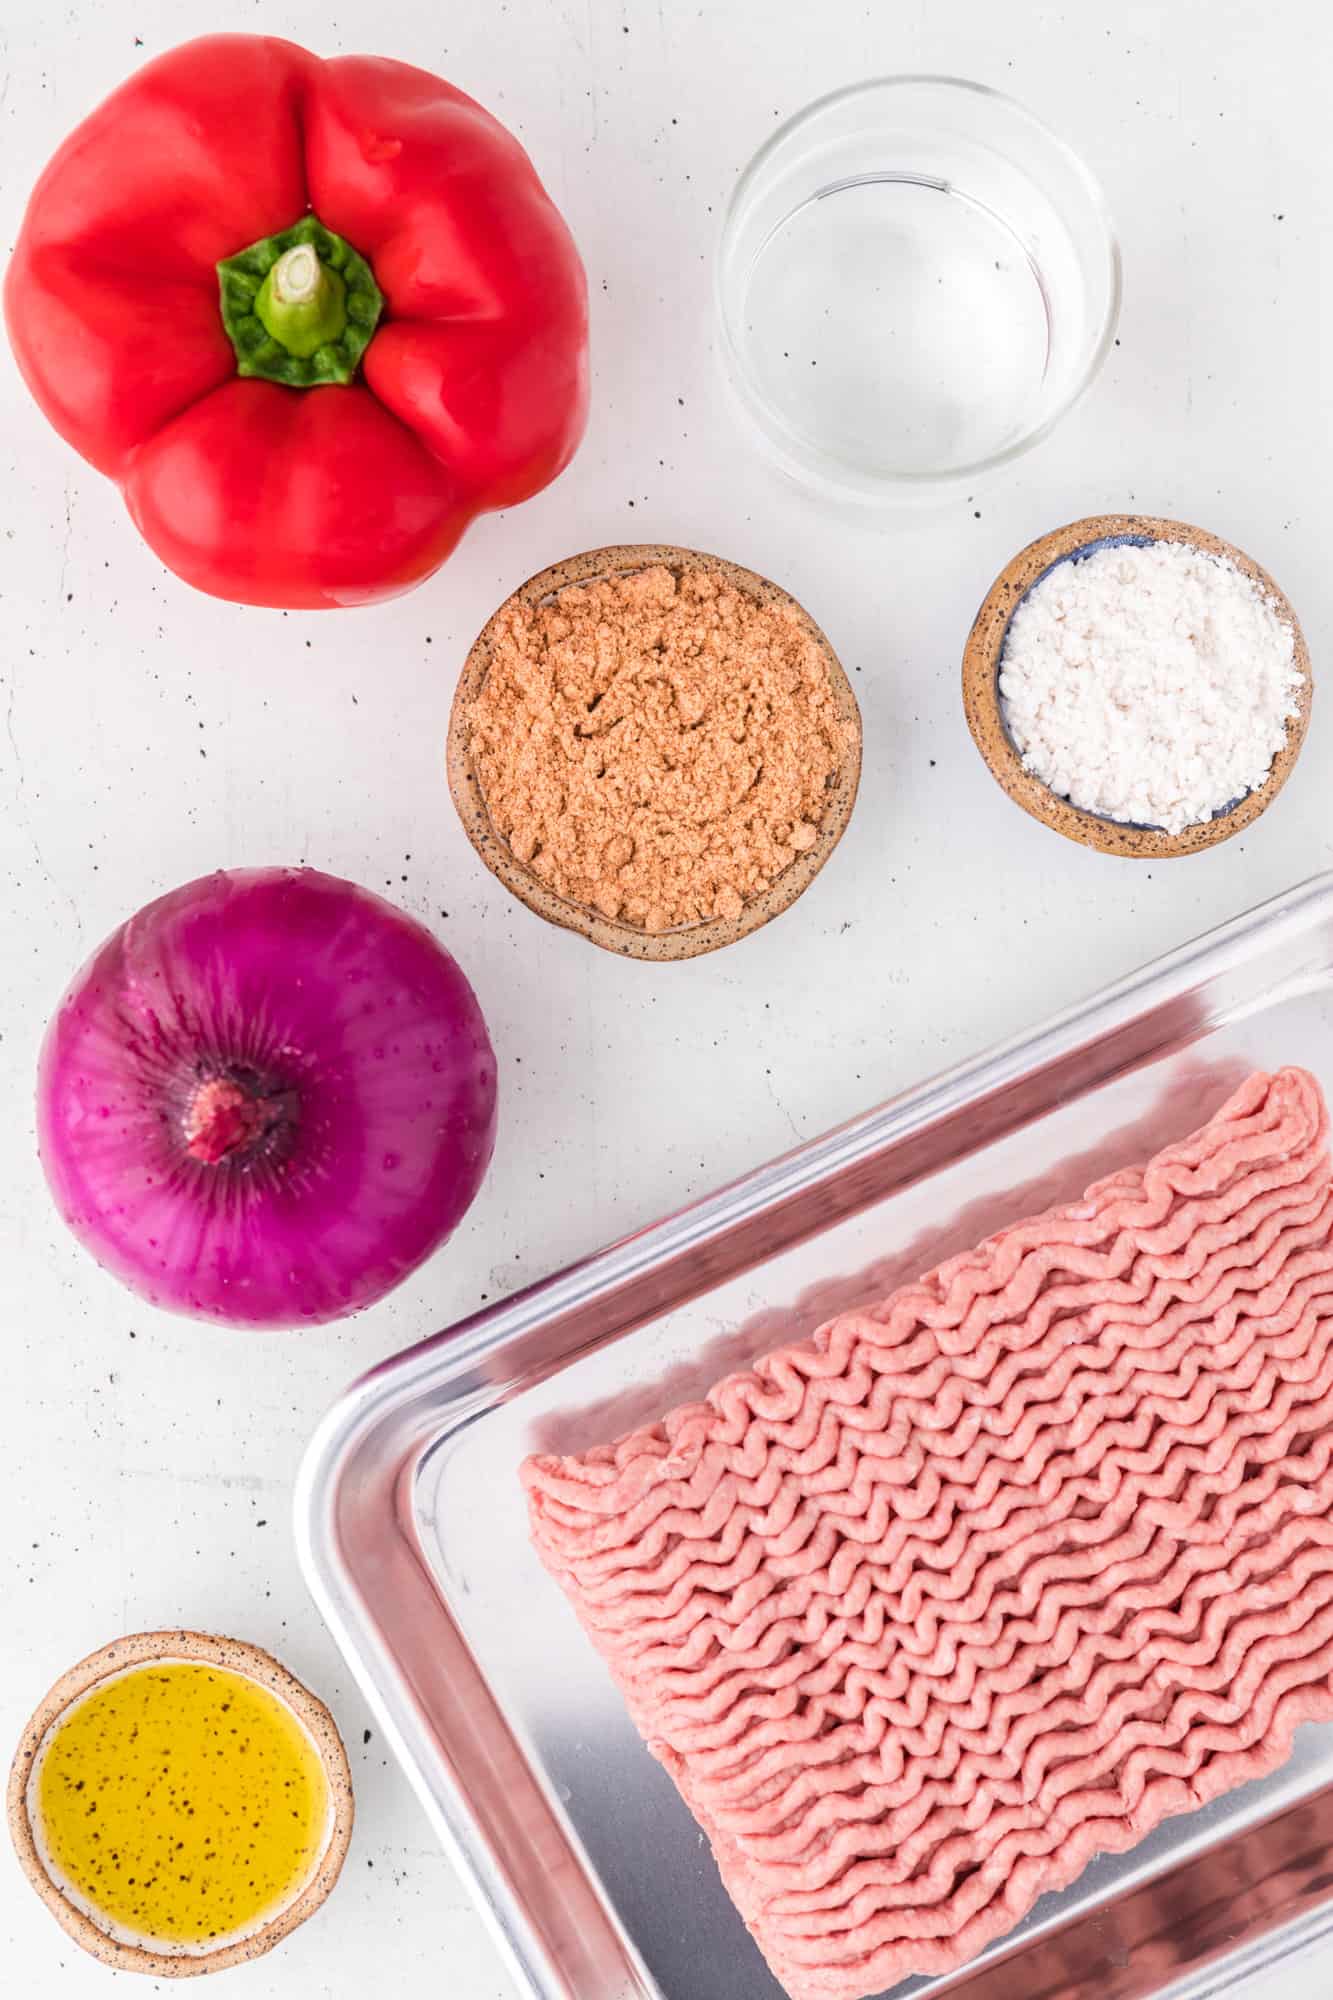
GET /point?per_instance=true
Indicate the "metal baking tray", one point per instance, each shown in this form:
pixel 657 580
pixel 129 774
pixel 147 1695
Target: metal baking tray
pixel 411 1524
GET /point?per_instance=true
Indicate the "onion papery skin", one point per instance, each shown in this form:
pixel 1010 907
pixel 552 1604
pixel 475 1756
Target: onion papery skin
pixel 361 1044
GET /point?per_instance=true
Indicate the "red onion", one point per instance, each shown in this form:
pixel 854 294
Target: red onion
pixel 266 1098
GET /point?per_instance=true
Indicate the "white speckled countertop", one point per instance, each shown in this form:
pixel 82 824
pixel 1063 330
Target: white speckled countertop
pixel 150 735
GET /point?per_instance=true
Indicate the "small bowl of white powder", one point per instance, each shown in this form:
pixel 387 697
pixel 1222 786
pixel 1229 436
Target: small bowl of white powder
pixel 1138 685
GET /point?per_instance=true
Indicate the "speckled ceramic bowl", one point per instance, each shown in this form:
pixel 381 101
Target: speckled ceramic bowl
pixel 985 712
pixel 687 940
pixel 141 1649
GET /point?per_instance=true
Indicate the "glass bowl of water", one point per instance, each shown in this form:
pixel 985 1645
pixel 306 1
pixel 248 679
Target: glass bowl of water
pixel 915 281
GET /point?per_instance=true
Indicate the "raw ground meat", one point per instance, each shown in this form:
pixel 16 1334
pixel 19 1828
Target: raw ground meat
pixel 924 1613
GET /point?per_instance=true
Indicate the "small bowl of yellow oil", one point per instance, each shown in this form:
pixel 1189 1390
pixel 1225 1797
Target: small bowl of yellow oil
pixel 180 1803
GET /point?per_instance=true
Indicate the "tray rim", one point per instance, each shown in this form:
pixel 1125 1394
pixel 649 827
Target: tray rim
pixel 427 1369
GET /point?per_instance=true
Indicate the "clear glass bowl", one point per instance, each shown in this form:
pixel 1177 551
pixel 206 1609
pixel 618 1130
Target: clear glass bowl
pixel 915 281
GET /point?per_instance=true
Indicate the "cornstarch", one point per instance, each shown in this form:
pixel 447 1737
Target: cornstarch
pixel 1151 684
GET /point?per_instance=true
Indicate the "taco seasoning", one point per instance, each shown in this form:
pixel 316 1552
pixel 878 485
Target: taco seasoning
pixel 657 745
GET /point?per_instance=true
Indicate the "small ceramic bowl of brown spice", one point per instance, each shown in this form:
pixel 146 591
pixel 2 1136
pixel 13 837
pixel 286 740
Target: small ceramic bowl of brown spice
pixel 655 748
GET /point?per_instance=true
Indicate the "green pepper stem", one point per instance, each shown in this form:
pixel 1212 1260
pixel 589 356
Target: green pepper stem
pixel 296 276
pixel 301 302
pixel 300 307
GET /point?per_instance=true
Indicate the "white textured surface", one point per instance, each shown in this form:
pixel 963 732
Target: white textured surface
pixel 149 735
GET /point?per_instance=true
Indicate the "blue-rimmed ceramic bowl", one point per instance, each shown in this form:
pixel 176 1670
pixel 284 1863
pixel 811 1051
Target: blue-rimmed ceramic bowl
pixel 985 710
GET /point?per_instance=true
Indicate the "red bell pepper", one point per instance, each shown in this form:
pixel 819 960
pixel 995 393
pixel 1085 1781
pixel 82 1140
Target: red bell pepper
pixel 312 316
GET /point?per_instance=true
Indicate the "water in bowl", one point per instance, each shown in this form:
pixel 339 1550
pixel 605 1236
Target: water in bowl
pixel 900 323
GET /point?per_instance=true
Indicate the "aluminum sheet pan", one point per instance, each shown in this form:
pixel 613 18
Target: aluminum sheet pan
pixel 411 1523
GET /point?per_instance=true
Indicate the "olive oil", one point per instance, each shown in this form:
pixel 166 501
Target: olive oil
pixel 183 1802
